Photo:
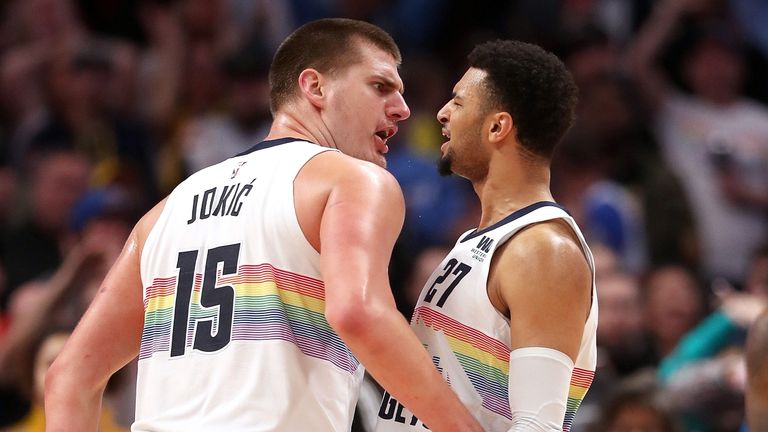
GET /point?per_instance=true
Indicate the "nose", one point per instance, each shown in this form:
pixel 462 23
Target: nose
pixel 397 108
pixel 442 115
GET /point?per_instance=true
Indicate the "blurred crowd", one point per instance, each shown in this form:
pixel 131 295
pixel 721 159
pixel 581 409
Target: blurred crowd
pixel 106 105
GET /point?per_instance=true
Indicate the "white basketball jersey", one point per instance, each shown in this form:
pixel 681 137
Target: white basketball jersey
pixel 235 337
pixel 469 340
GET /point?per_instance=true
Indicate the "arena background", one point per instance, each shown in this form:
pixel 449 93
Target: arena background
pixel 106 105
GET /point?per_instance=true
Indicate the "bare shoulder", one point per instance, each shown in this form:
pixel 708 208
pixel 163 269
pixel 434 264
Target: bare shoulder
pixel 334 171
pixel 147 222
pixel 338 167
pixel 545 259
pixel 547 246
pixel 360 190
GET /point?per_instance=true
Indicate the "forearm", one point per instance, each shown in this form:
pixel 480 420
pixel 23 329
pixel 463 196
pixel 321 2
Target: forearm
pixel 531 425
pixel 703 386
pixel 706 340
pixel 640 62
pixel 539 382
pixel 168 46
pixel 385 344
pixel 656 32
pixel 28 322
pixel 360 223
pixel 164 89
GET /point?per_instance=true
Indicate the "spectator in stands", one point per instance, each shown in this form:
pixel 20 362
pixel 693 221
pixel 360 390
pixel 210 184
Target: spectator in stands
pixel 715 138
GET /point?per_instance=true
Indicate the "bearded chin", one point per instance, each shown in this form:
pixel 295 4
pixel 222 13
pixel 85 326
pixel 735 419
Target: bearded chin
pixel 444 165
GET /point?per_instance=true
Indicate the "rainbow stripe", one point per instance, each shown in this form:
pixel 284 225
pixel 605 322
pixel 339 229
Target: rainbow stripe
pixel 581 379
pixel 485 360
pixel 270 304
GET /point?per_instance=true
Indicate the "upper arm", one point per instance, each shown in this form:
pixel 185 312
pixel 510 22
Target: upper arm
pixel 109 334
pixel 360 223
pixel 543 280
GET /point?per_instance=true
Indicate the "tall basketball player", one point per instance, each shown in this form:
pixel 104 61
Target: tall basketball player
pixel 253 292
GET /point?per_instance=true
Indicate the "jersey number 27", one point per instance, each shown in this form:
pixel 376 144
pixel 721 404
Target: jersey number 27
pixel 458 269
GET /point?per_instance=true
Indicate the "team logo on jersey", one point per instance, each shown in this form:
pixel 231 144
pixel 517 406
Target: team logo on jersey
pixel 482 249
pixel 485 244
pixel 237 169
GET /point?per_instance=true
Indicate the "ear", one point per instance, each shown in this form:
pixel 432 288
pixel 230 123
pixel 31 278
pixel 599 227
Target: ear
pixel 501 128
pixel 311 86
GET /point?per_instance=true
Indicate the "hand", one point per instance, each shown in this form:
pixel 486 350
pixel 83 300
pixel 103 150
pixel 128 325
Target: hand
pixel 734 370
pixel 742 308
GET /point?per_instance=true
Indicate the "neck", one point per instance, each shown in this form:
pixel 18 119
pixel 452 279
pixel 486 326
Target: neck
pixel 510 186
pixel 301 122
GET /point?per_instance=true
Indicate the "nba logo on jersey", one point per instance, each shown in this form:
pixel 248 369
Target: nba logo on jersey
pixel 483 248
pixel 236 169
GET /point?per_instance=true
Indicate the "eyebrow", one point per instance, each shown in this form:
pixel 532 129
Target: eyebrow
pixel 391 83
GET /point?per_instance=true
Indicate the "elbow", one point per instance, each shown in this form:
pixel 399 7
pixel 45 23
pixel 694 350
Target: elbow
pixel 69 402
pixel 53 382
pixel 65 381
pixel 352 320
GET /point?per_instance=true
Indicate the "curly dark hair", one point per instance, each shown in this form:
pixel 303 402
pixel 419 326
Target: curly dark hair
pixel 531 84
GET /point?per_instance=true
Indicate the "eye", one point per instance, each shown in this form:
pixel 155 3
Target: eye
pixel 381 87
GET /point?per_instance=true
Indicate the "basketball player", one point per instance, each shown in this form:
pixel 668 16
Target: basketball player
pixel 510 315
pixel 265 276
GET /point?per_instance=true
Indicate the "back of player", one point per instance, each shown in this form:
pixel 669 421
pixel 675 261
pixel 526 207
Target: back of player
pixel 234 302
pixel 469 340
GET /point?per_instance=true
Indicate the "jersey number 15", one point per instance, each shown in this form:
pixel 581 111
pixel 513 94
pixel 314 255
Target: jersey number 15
pixel 211 296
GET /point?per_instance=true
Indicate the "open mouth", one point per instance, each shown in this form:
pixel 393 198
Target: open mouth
pixel 386 133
